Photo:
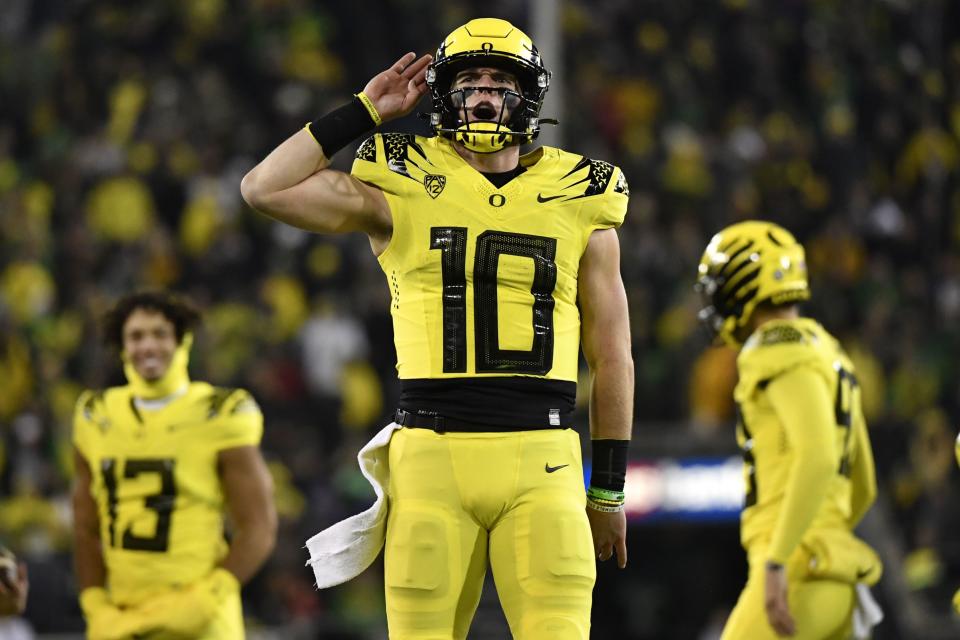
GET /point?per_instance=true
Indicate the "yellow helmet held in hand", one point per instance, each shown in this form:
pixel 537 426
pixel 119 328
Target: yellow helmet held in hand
pixel 495 43
pixel 745 264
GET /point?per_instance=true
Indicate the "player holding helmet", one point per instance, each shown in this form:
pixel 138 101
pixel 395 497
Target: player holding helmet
pixel 498 264
pixel 807 459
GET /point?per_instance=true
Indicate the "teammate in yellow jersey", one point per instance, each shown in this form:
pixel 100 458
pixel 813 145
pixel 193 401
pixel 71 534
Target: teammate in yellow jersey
pixel 956 596
pixel 499 265
pixel 807 461
pixel 157 462
pixel 14 584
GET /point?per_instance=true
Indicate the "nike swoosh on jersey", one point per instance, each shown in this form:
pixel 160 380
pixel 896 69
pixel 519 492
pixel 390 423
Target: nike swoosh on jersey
pixel 549 469
pixel 542 198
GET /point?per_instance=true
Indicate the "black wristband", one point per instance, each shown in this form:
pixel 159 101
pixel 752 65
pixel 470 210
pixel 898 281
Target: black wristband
pixel 341 126
pixel 609 464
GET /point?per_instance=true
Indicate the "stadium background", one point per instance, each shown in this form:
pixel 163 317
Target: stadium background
pixel 125 129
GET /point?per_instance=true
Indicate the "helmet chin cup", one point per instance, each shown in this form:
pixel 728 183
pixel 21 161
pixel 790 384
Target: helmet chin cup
pixel 484 137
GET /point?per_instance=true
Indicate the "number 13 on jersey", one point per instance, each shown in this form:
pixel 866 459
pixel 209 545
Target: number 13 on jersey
pixel 161 502
pixel 490 245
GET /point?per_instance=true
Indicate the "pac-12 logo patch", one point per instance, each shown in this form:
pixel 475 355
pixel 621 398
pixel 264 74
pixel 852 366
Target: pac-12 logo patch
pixel 434 184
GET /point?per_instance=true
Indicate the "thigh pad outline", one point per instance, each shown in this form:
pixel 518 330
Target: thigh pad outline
pixel 557 559
pixel 422 553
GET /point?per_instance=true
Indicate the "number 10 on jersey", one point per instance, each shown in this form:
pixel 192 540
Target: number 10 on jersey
pixel 490 358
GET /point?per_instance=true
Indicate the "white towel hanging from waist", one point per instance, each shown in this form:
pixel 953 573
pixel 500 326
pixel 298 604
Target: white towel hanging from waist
pixel 341 552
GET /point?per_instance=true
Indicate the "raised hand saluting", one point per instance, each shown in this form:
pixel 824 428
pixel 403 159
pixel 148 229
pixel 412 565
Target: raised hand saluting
pixel 396 91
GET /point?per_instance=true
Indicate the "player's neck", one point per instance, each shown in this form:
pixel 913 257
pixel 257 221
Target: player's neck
pixel 764 315
pixel 498 162
pixel 154 404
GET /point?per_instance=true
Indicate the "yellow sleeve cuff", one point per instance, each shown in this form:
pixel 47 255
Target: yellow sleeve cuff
pixel 306 128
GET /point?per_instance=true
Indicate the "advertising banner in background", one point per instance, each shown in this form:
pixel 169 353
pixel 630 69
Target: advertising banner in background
pixel 684 489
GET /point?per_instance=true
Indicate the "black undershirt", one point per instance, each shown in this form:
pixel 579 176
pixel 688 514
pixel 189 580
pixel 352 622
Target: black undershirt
pixel 502 178
pixel 496 403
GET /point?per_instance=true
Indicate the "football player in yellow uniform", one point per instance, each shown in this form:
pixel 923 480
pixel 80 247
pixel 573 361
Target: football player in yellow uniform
pixel 808 466
pixel 956 596
pixel 14 584
pixel 157 462
pixel 498 264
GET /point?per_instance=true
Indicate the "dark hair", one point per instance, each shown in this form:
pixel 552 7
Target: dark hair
pixel 177 310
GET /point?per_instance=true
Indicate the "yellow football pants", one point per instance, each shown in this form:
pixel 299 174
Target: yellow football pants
pixel 457 499
pixel 227 624
pixel 822 609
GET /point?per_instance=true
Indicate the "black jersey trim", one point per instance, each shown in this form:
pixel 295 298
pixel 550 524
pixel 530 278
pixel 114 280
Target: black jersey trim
pixel 368 150
pixel 598 176
pixel 397 148
pixel 91 401
pixel 217 398
pixel 749 461
pixel 135 409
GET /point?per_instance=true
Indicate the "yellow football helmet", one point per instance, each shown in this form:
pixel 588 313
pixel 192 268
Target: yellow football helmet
pixel 495 43
pixel 745 264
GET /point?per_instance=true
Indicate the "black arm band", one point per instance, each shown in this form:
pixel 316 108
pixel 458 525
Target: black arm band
pixel 609 465
pixel 341 126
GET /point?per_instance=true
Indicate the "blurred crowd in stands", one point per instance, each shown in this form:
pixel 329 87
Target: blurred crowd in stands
pixel 125 129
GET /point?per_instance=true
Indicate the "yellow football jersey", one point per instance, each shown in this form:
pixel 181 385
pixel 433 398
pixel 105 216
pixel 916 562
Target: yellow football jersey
pixel 484 280
pixel 775 348
pixel 156 484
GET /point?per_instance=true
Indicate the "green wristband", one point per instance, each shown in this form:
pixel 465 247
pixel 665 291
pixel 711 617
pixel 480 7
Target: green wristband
pixel 605 495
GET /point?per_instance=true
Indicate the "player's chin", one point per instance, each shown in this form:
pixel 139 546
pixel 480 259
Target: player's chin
pixel 151 373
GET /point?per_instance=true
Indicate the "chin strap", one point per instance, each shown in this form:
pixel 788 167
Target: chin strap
pixel 175 378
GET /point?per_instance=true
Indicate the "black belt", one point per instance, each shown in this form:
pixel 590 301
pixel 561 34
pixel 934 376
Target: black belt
pixel 441 424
